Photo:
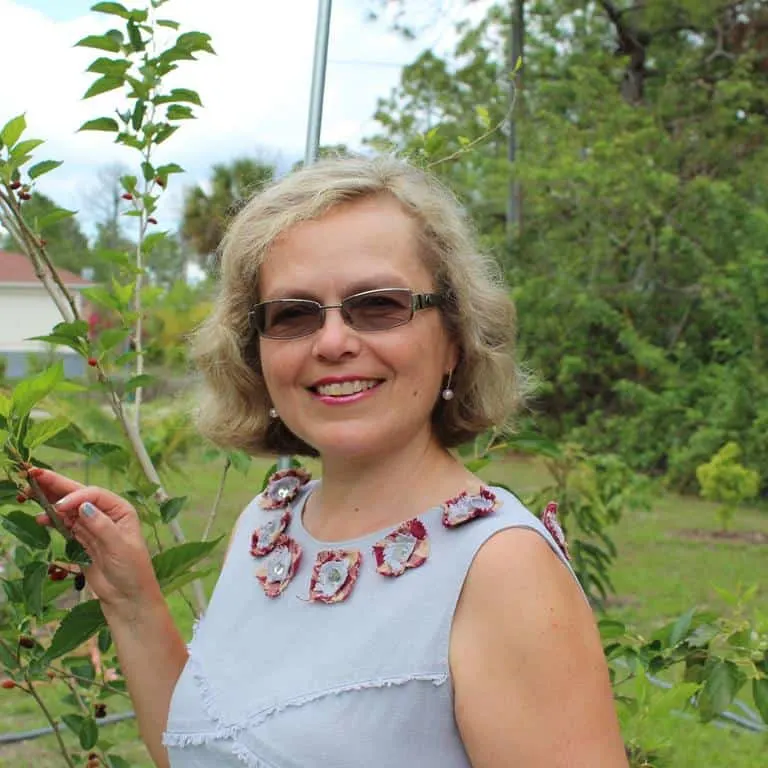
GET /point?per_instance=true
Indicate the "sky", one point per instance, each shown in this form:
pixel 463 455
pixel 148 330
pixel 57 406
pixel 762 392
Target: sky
pixel 255 91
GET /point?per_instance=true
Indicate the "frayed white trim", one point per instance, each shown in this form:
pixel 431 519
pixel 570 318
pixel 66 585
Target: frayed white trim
pixel 257 718
pixel 244 755
pixel 178 739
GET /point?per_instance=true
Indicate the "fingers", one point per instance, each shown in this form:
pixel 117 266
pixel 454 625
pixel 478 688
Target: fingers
pixel 52 484
pixel 104 502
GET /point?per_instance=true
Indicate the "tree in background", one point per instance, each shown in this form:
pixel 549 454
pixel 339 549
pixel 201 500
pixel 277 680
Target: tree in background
pixel 63 236
pixel 206 213
pixel 640 273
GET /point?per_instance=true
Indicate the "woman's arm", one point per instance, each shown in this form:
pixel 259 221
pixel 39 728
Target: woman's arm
pixel 151 651
pixel 531 682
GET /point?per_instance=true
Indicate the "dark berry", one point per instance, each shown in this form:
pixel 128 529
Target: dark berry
pixel 26 642
pixel 79 581
pixel 127 196
pixel 15 185
pixel 151 220
pixel 100 710
pixel 25 196
pixel 21 498
pixel 160 181
pixel 93 756
pixel 7 684
pixel 56 573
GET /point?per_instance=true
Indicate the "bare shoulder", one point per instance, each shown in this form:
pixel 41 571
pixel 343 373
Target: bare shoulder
pixel 531 684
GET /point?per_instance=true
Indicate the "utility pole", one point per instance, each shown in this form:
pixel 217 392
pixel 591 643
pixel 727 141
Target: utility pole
pixel 315 118
pixel 515 48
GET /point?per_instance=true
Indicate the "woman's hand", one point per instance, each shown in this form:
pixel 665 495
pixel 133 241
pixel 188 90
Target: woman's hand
pixel 107 526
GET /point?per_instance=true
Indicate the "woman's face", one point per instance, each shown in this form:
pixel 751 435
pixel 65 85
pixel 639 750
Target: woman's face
pixel 356 247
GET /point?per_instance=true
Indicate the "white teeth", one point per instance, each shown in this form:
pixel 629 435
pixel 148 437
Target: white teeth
pixel 338 389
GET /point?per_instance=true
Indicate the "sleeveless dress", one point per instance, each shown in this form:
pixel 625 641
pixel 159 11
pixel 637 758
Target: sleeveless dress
pixel 348 665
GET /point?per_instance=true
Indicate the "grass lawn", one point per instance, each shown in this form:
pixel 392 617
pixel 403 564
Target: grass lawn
pixel 659 575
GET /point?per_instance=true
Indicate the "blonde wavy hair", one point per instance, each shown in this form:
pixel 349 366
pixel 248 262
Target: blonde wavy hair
pixel 477 311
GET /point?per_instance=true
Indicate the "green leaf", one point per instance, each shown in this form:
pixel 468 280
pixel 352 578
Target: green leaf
pixel 25 147
pixel 112 338
pixel 194 41
pixel 73 722
pixel 26 530
pixel 610 628
pixel 100 124
pixel 115 761
pixel 60 341
pixel 105 66
pixel 42 431
pixel 170 508
pixel 135 382
pixel 102 42
pixel 167 23
pixel 75 553
pixel 185 578
pixel 137 118
pixel 179 112
pixel 8 491
pixel 34 577
pixel 180 95
pixel 174 561
pixel 760 695
pixel 115 9
pixel 134 35
pixel 101 296
pixel 54 216
pixel 681 627
pixel 29 392
pixel 46 166
pixel 89 733
pixel 165 133
pixel 104 84
pixel 12 130
pixel 721 686
pixel 82 622
pixel 105 640
pixel 167 170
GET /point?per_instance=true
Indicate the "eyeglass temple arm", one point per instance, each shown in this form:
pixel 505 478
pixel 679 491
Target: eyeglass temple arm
pixel 425 300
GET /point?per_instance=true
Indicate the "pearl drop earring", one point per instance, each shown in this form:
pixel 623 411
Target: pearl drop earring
pixel 447 393
pixel 273 413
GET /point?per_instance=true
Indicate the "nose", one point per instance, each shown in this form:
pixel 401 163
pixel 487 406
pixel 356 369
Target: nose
pixel 335 340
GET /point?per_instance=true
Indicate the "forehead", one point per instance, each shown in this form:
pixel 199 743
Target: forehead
pixel 365 244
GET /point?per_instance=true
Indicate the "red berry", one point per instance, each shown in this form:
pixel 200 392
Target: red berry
pixel 93 362
pixel 56 573
pixel 26 642
pixel 93 756
pixel 15 184
pixel 7 684
pixel 160 181
pixel 25 196
pixel 127 196
pixel 21 498
pixel 151 220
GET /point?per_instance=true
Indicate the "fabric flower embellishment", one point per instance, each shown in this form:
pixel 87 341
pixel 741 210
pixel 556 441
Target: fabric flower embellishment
pixel 406 547
pixel 552 524
pixel 277 569
pixel 283 487
pixel 334 575
pixel 466 507
pixel 265 536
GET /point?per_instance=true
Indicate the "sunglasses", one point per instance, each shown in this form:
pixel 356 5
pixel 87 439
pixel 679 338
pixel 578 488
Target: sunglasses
pixel 377 310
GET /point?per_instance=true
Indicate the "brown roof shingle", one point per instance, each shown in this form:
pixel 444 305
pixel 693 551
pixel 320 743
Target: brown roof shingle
pixel 16 268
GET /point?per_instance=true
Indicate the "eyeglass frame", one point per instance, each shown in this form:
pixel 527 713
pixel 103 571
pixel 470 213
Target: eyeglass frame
pixel 419 302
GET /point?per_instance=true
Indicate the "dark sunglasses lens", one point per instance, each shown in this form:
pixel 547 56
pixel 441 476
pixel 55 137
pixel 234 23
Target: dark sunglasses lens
pixel 289 319
pixel 379 310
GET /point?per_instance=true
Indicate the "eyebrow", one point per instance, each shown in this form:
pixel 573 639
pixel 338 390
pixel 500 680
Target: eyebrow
pixel 370 283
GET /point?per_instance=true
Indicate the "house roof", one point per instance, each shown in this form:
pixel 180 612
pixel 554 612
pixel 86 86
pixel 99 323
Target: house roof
pixel 17 269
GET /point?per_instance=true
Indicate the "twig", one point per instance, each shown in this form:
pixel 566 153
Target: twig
pixel 53 723
pixel 217 500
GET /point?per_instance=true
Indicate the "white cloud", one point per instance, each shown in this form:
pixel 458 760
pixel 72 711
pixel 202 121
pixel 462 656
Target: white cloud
pixel 255 91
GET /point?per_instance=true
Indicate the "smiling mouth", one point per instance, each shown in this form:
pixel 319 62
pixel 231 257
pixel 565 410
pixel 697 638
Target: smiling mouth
pixel 345 388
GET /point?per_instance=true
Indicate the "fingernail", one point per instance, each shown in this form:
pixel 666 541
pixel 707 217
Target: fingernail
pixel 62 501
pixel 87 509
pixel 34 472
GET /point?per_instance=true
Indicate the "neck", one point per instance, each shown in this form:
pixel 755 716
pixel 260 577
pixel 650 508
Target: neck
pixel 360 497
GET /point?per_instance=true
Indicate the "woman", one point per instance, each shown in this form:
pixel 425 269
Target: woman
pixel 399 612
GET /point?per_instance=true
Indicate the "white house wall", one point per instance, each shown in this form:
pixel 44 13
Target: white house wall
pixel 26 311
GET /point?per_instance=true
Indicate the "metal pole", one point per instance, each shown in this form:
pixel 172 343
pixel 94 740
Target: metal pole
pixel 318 81
pixel 315 119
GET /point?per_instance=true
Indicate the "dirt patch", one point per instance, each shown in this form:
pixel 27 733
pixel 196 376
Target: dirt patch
pixel 757 538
